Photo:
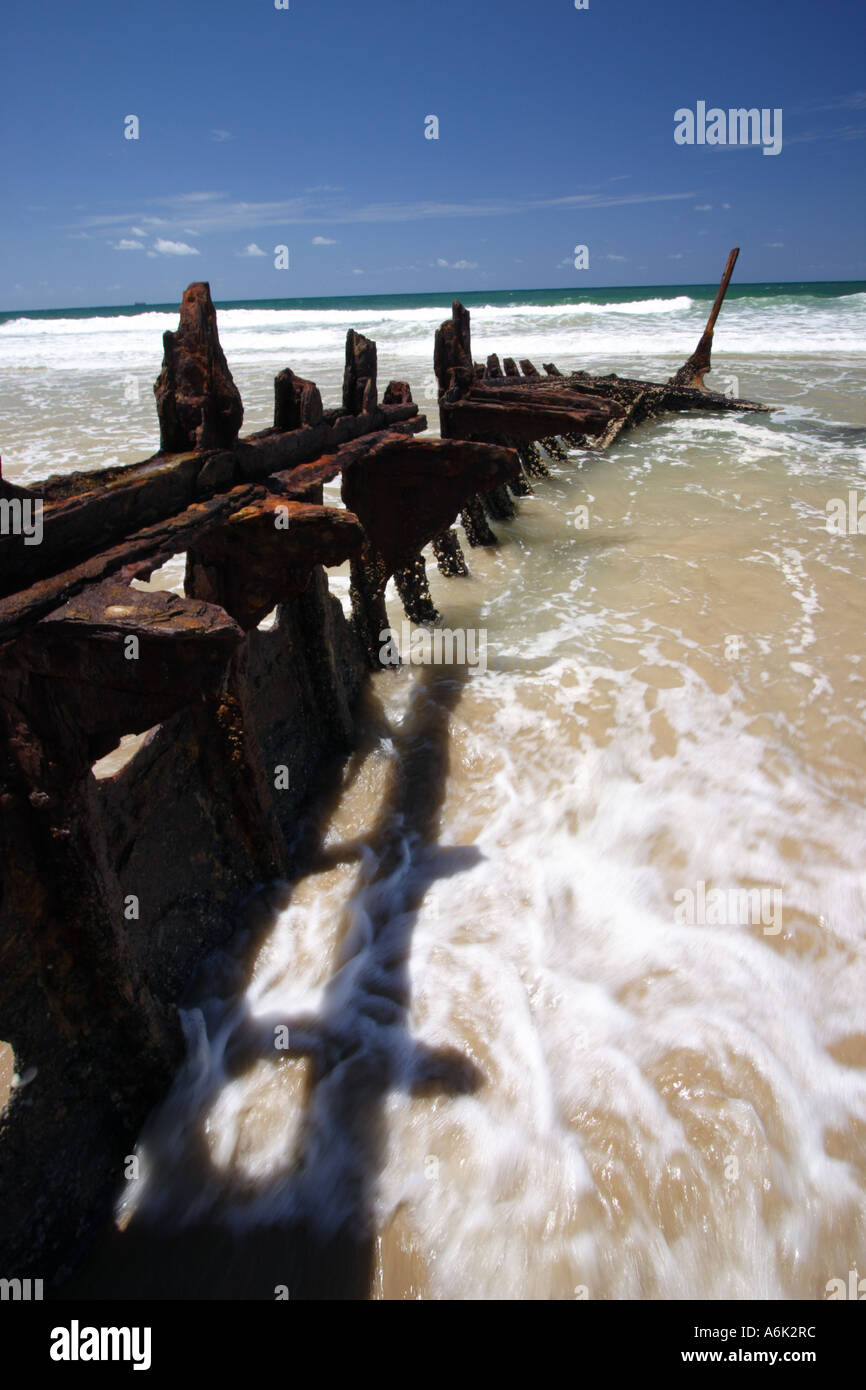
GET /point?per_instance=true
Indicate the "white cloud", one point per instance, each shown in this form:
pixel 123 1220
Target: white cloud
pixel 137 231
pixel 323 241
pixel 675 256
pixel 456 265
pixel 357 272
pixel 775 245
pixel 612 257
pixel 704 207
pixel 221 135
pixel 127 244
pixel 252 250
pixel 173 248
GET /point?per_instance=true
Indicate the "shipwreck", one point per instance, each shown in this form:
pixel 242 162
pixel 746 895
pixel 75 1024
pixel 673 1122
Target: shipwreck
pixel 113 889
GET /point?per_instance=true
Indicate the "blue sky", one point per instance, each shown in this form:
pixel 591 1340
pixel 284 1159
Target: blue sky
pixel 305 127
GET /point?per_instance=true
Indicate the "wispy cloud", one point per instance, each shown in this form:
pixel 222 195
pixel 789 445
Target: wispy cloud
pixel 213 211
pixel 845 132
pixel 324 241
pixel 174 248
pixel 220 136
pixel 252 250
pixel 127 244
pixel 455 265
pixel 703 207
pixel 848 101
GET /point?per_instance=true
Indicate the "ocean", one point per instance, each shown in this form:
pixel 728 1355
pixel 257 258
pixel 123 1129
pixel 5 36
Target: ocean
pixel 586 935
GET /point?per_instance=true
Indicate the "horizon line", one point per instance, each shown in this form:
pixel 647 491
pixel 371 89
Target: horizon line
pixel 392 294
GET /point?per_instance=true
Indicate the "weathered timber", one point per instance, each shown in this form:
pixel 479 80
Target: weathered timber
pixel 452 352
pixel 135 557
pixel 265 553
pixel 498 504
pixel 92 511
pixel 449 555
pixel 198 404
pixel 554 448
pixel 472 418
pixel 296 402
pixel 519 486
pixel 359 377
pixel 548 394
pixel 517 408
pixel 511 408
pixel 625 389
pixel 645 400
pixel 414 591
pixel 404 493
pixel 475 523
pixel 692 372
pixel 585 411
pixel 533 464
pixel 182 648
pixel 397 393
pixel 494 369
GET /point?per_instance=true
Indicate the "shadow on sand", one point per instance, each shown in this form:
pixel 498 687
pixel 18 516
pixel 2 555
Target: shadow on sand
pixel 308 1228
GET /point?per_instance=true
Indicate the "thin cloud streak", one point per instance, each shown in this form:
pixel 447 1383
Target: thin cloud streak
pixel 215 212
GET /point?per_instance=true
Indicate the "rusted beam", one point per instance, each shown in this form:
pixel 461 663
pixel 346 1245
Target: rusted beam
pixel 477 419
pixel 114 660
pixel 265 553
pixel 693 371
pixel 198 404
